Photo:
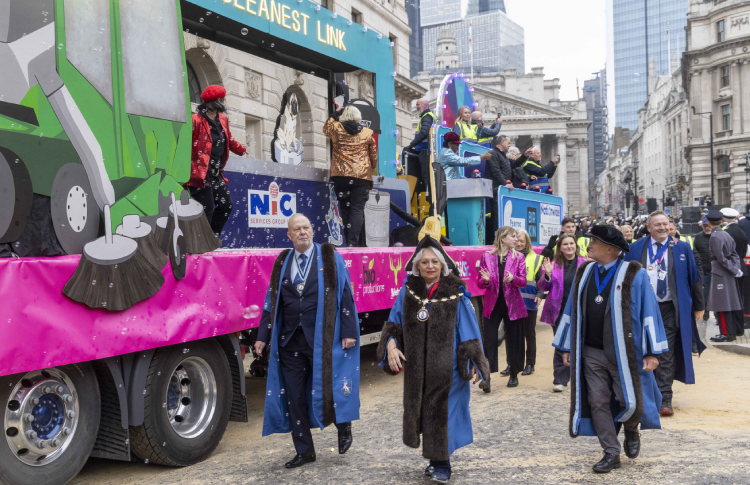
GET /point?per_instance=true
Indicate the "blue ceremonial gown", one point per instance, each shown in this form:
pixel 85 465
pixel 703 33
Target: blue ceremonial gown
pixel 646 334
pixel 682 261
pixel 345 363
pixel 467 328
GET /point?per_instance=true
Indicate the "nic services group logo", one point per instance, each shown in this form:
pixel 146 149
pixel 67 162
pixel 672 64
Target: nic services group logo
pixel 271 207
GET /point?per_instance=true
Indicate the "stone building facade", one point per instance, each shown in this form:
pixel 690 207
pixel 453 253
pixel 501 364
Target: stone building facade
pixel 716 77
pixel 255 86
pixel 659 140
pixel 533 114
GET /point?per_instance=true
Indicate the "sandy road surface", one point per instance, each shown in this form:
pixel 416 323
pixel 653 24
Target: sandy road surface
pixel 520 436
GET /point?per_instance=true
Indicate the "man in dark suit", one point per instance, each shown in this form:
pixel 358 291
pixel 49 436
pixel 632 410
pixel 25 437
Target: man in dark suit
pixel 498 170
pixel 678 286
pixel 744 223
pixel 740 245
pixel 296 309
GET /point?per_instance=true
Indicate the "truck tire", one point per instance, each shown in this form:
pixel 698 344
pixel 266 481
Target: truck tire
pixel 51 448
pixel 186 406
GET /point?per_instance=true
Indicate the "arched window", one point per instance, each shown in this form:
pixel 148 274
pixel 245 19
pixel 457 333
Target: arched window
pixel 194 85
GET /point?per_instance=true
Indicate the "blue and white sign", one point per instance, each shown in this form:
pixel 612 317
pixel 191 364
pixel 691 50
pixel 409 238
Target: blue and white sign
pixel 667 211
pixel 538 214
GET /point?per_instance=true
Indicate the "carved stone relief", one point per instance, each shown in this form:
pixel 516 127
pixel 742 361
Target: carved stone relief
pixel 253 86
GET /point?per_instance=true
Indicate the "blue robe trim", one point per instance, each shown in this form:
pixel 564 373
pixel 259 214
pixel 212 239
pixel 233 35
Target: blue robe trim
pixel 646 327
pixel 345 363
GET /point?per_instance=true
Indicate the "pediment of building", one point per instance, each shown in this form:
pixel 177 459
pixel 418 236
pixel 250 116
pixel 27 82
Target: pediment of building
pixel 517 108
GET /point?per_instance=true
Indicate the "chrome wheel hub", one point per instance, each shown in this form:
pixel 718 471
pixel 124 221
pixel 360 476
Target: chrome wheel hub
pixel 41 416
pixel 191 397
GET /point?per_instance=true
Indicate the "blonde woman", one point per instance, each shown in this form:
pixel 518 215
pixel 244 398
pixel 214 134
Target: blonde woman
pixel 502 272
pixel 627 231
pixel 355 155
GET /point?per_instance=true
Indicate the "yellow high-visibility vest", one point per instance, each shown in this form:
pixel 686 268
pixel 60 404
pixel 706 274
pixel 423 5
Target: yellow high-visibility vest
pixel 466 131
pixel 583 245
pixel 533 263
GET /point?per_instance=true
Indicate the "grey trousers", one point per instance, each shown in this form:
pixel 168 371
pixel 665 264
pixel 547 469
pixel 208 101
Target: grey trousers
pixel 600 376
pixel 664 374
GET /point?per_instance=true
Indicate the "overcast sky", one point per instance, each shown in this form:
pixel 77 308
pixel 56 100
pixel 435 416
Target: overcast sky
pixel 566 37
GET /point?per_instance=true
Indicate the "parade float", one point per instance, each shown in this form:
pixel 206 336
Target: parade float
pixel 123 316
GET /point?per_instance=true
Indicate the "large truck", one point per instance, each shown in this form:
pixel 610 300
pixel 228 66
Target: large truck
pixel 94 119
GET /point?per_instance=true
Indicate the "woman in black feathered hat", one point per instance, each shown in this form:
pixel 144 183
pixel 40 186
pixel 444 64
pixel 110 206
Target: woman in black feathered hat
pixel 436 393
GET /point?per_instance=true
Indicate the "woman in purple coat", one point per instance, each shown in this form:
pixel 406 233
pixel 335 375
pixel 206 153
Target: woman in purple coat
pixel 558 279
pixel 504 268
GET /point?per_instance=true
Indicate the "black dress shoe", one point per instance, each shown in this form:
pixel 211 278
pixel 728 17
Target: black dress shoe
pixel 706 316
pixel 300 460
pixel 723 338
pixel 695 348
pixel 429 471
pixel 666 407
pixel 632 444
pixel 440 477
pixel 513 381
pixel 528 370
pixel 345 439
pixel 505 372
pixel 608 462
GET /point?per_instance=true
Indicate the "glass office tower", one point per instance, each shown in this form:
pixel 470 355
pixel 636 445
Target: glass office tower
pixel 415 39
pixel 498 42
pixel 640 31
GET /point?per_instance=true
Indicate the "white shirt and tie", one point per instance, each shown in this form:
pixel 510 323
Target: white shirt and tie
pixel 302 262
pixel 653 268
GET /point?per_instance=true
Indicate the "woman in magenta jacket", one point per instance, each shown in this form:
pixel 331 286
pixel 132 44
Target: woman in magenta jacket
pixel 504 267
pixel 558 279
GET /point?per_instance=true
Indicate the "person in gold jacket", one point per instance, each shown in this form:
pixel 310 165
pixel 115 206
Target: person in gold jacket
pixel 355 155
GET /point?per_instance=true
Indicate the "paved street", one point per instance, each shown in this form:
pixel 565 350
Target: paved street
pixel 520 436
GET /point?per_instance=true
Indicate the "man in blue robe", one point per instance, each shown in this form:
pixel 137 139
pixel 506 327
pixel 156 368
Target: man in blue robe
pixel 610 333
pixel 310 320
pixel 678 286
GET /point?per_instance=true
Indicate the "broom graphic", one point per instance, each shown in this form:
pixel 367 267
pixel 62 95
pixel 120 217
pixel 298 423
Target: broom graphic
pixel 133 228
pixel 161 234
pixel 112 274
pixel 177 253
pixel 199 238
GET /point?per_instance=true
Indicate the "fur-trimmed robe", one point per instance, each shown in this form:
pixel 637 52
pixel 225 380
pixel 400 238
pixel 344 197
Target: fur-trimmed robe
pixel 637 329
pixel 331 364
pixel 438 354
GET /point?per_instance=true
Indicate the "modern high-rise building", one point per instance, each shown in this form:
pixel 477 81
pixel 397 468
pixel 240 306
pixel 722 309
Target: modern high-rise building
pixel 641 29
pixel 415 38
pixel 498 42
pixel 595 94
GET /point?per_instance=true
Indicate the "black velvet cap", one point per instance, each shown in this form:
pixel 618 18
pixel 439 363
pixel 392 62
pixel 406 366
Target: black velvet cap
pixel 609 235
pixel 431 243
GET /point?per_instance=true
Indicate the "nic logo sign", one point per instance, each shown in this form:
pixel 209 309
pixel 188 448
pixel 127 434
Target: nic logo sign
pixel 270 208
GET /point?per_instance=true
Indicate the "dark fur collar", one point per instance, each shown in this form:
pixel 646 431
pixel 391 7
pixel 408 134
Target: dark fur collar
pixel 449 285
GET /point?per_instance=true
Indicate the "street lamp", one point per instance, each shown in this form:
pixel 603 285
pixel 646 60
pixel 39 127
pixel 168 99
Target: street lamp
pixel 711 130
pixel 635 187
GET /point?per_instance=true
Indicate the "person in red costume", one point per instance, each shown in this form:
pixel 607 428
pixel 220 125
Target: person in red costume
pixel 212 141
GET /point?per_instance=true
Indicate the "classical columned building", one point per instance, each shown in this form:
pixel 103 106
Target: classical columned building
pixel 716 73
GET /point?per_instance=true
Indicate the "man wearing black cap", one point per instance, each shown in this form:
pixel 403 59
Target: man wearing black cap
pixel 724 296
pixel 674 277
pixel 610 333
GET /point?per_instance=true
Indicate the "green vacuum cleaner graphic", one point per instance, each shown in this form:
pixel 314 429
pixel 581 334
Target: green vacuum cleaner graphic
pixel 93 113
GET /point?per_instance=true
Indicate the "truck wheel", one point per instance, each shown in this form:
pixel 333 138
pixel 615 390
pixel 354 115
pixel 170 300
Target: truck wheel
pixel 16 190
pixel 74 212
pixel 187 404
pixel 50 422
